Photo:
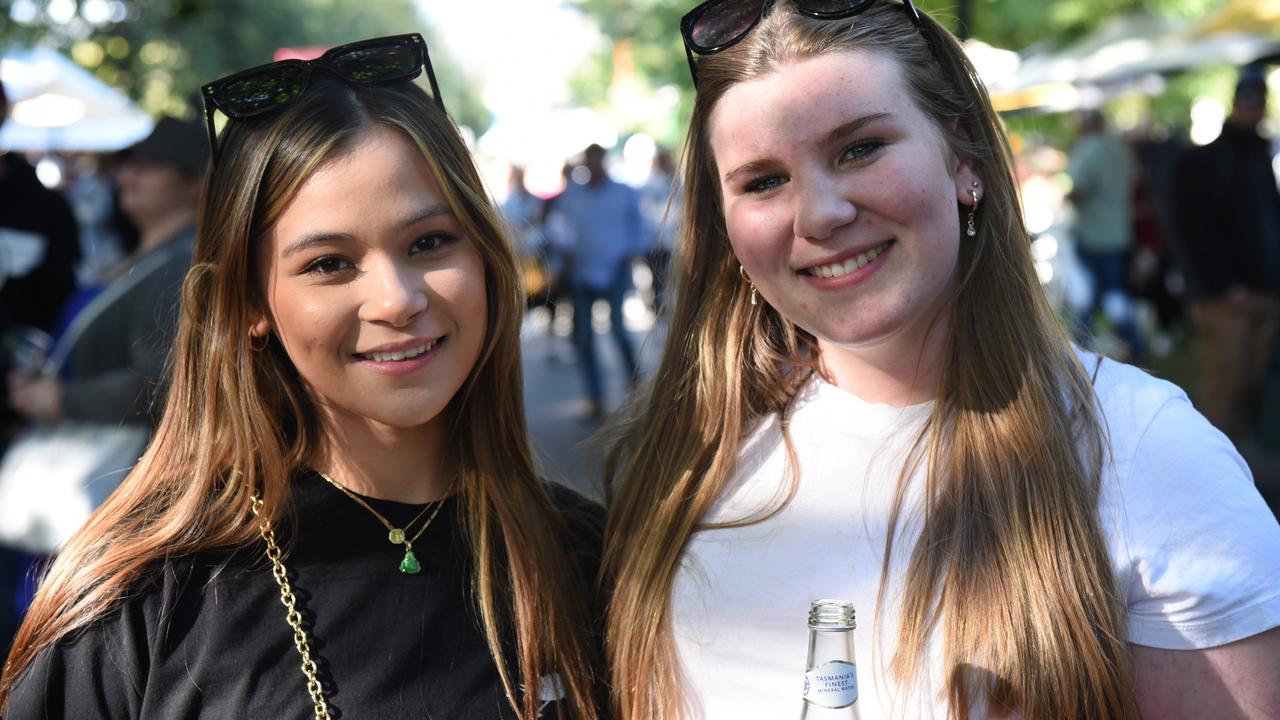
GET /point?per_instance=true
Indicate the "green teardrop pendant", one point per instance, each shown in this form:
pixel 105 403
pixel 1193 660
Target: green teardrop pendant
pixel 410 565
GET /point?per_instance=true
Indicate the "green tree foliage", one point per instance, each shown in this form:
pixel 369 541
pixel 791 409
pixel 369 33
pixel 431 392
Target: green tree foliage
pixel 163 50
pixel 651 29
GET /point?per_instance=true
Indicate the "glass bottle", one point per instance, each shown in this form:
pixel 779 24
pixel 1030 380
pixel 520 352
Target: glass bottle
pixel 831 672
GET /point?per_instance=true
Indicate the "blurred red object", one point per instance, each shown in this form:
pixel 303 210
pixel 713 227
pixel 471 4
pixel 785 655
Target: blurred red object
pixel 306 52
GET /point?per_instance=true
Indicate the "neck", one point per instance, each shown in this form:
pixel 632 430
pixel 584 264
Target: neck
pixel 158 231
pixel 404 465
pixel 900 370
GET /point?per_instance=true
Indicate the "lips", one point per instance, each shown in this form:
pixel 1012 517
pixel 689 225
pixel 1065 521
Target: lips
pixel 846 263
pixel 400 351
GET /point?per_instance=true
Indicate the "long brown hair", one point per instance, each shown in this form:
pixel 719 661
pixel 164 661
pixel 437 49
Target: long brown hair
pixel 238 422
pixel 1011 567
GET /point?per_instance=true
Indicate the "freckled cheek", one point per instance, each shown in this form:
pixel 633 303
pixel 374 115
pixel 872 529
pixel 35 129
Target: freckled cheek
pixel 761 240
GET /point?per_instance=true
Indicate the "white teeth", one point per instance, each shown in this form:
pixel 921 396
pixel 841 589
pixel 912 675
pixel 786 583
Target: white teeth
pixel 849 265
pixel 401 354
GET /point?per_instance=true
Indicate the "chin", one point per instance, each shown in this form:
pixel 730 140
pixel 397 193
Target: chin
pixel 401 416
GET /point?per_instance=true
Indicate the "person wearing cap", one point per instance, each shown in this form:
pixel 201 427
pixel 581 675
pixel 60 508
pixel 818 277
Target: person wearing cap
pixel 115 346
pixel 1228 213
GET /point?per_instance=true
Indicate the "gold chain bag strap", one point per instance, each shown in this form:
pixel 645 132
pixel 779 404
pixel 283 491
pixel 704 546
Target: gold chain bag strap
pixel 292 616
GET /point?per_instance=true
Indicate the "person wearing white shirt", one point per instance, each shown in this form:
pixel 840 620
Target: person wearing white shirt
pixel 866 396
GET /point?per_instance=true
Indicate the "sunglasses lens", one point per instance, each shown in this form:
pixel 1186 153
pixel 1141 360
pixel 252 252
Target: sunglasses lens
pixel 376 63
pixel 723 23
pixel 251 94
pixel 832 8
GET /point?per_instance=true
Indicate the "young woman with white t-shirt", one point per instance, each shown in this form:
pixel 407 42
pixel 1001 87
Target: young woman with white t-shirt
pixel 865 395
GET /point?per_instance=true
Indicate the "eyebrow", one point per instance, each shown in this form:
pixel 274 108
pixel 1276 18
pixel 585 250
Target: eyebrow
pixel 848 128
pixel 315 239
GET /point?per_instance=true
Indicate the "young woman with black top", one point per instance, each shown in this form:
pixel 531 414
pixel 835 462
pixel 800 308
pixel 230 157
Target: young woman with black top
pixel 339 515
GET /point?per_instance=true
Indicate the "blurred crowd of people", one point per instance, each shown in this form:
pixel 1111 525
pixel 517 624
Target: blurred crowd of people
pixel 1156 248
pixel 90 279
pixel 582 245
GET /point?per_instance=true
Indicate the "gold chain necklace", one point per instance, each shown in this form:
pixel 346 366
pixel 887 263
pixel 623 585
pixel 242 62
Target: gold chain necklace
pixel 396 536
pixel 292 616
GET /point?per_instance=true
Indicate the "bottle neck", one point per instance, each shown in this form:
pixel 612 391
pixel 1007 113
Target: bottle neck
pixel 828 645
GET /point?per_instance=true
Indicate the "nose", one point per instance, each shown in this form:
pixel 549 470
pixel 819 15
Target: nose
pixel 822 206
pixel 395 294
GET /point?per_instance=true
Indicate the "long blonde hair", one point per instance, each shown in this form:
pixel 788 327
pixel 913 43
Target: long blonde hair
pixel 238 422
pixel 1011 566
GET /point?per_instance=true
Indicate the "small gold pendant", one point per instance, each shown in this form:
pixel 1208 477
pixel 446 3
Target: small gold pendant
pixel 396 536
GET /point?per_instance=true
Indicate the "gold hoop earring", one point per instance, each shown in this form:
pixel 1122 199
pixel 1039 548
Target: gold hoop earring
pixel 259 347
pixel 972 230
pixel 743 272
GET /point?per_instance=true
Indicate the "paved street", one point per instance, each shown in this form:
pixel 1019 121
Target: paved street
pixel 555 396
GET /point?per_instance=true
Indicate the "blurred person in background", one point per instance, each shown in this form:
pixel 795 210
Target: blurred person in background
pixel 1102 176
pixel 608 232
pixel 118 333
pixel 36 218
pixel 661 204
pixel 1228 213
pixel 1156 265
pixel 39 249
pixel 524 213
pixel 112 338
pixel 91 190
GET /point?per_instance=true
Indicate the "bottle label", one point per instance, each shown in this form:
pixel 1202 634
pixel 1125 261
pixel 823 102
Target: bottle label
pixel 832 685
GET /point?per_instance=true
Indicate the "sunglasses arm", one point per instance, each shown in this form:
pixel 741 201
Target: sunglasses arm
pixel 693 71
pixel 213 133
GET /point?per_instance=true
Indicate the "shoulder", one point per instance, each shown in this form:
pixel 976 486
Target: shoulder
pixel 1151 423
pixel 1191 540
pixel 102 669
pixel 1154 431
pixel 1129 397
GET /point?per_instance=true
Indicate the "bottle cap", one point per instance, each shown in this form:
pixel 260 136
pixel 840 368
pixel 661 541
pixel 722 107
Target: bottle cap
pixel 831 615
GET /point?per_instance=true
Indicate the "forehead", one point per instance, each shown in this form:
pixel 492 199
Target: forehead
pixel 804 99
pixel 376 180
pixel 378 157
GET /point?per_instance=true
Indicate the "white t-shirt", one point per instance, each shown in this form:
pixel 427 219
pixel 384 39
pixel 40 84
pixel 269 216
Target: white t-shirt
pixel 1191 543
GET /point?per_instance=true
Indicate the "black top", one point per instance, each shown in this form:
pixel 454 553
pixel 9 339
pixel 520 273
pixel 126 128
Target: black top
pixel 36 299
pixel 207 638
pixel 1228 214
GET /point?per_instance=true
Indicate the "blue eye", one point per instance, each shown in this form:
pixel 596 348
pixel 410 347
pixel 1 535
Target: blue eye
pixel 862 150
pixel 765 184
pixel 327 265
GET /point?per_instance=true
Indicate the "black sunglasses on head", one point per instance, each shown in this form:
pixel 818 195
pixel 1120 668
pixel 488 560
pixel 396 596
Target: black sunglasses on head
pixel 268 87
pixel 717 25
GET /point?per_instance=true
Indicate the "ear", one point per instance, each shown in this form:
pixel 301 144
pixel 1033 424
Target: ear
pixel 969 187
pixel 261 328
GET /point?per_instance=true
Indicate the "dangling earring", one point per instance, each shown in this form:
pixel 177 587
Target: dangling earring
pixel 743 272
pixel 972 230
